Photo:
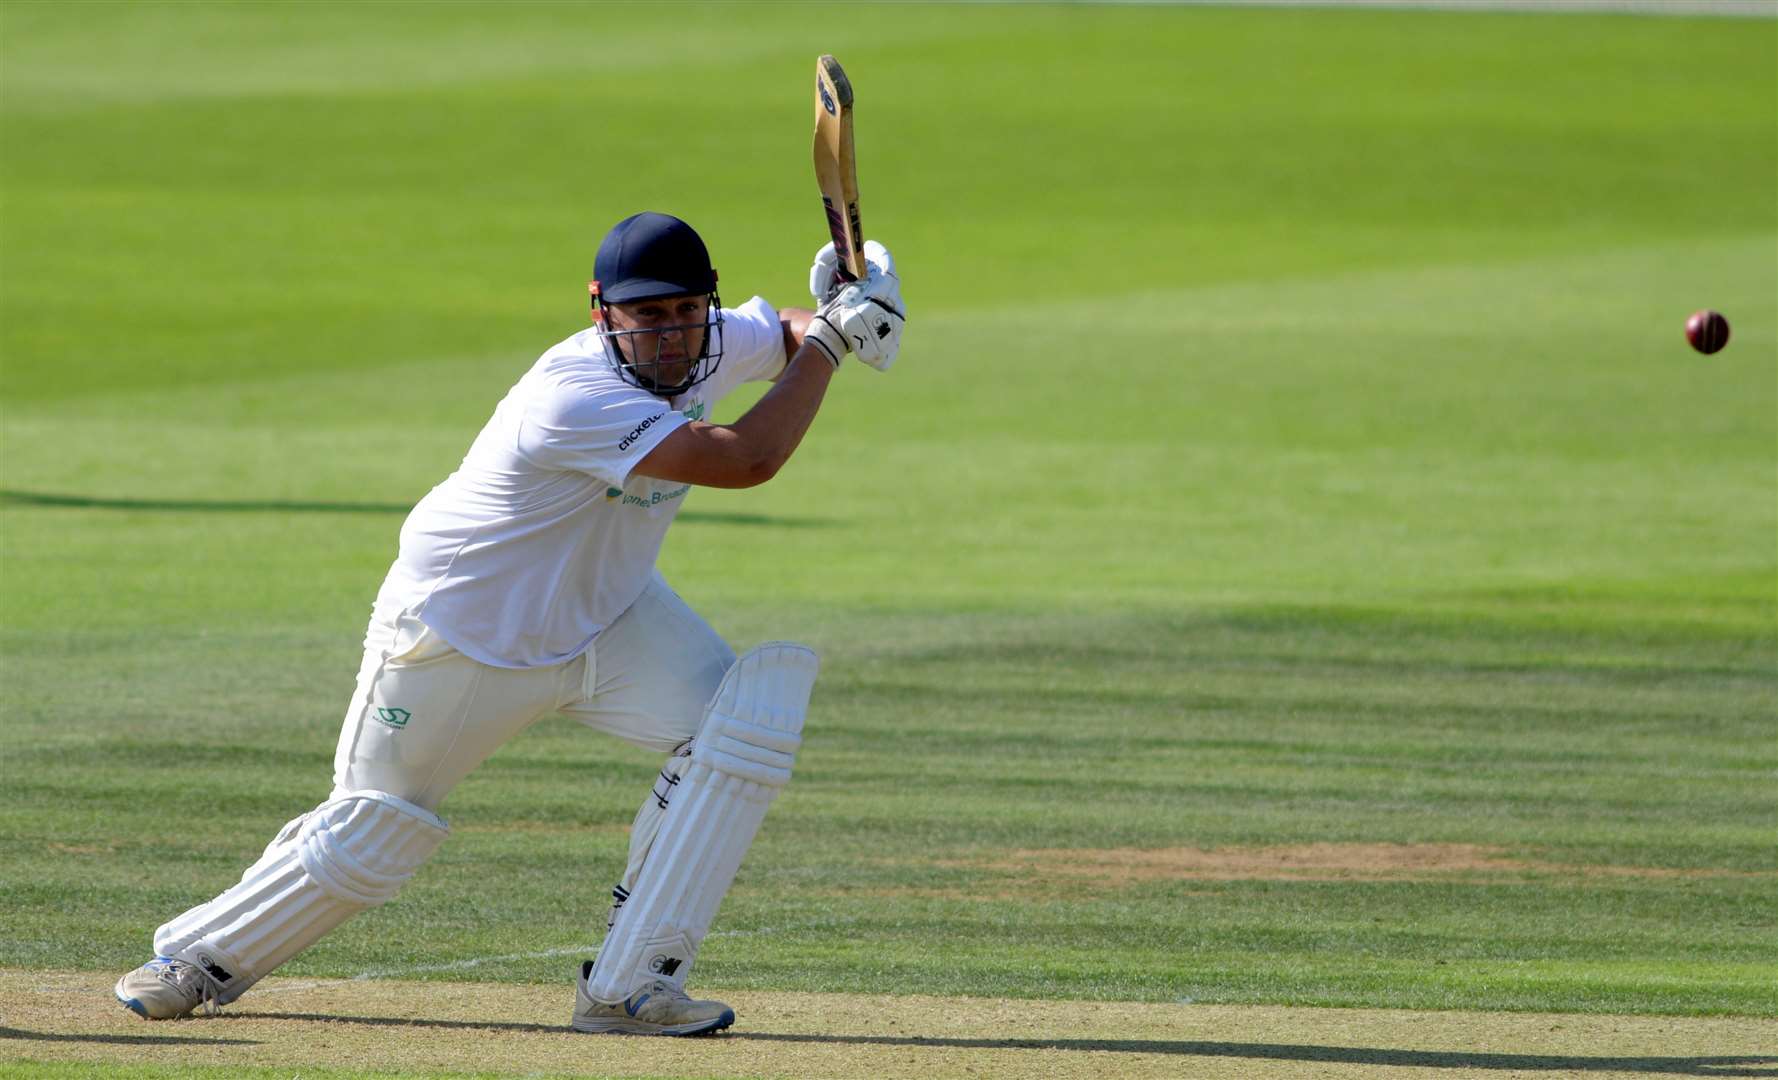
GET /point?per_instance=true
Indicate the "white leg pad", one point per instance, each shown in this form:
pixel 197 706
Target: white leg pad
pixel 647 826
pixel 740 759
pixel 346 855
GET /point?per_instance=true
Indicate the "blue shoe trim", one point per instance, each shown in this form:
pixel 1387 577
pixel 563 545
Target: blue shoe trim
pixel 133 1005
pixel 727 1018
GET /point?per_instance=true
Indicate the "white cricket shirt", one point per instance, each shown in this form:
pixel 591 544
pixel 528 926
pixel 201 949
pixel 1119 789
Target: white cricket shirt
pixel 542 537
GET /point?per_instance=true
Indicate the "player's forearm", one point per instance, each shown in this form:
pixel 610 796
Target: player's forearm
pixel 773 429
pixel 795 324
pixel 751 450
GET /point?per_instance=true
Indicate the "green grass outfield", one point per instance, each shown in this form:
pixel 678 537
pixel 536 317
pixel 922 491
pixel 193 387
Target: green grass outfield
pixel 1294 463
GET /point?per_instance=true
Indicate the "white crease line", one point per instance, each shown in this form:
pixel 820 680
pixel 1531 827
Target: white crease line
pixel 589 951
pixel 261 990
pixel 474 962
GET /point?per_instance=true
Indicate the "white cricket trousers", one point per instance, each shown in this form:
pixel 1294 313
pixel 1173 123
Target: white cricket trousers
pixel 424 715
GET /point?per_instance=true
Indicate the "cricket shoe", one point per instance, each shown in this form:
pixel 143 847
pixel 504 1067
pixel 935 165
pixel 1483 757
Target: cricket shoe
pixel 165 988
pixel 657 1008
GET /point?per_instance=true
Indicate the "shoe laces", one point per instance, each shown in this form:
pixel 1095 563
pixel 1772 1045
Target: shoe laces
pixel 181 975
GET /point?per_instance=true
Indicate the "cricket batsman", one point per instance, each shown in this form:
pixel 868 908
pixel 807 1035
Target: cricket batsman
pixel 526 585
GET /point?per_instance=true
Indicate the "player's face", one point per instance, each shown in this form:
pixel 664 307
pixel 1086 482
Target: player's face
pixel 671 337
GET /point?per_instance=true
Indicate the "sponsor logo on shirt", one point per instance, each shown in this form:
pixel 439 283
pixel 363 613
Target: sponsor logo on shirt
pixel 630 440
pixel 653 498
pixel 696 412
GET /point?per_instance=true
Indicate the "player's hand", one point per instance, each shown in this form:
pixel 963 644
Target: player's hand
pixel 863 320
pixel 824 276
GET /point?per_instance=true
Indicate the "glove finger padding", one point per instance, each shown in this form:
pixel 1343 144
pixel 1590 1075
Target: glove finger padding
pixel 878 258
pixel 824 276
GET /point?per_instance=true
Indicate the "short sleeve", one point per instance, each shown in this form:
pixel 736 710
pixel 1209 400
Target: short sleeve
pixel 601 427
pixel 752 346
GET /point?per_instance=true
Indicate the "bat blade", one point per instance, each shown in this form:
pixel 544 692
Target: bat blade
pixel 836 165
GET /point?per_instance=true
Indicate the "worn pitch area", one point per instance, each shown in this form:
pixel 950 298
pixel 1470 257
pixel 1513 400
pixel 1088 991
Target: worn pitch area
pixel 499 1029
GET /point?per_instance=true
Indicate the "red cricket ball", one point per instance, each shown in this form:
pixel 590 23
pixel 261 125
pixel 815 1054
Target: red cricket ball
pixel 1707 330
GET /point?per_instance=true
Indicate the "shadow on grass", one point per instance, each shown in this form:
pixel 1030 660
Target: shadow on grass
pixel 120 1040
pixel 1343 1055
pixel 293 506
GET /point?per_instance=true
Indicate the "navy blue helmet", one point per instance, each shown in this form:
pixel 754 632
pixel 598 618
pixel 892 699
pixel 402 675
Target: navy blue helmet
pixel 650 256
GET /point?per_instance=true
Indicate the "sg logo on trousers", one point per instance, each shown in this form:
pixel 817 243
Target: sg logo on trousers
pixel 395 718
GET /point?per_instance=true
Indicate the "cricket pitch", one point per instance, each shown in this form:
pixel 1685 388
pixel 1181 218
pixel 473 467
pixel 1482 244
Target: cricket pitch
pixel 497 1028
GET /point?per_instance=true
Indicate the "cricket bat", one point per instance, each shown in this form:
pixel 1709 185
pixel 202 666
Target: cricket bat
pixel 836 169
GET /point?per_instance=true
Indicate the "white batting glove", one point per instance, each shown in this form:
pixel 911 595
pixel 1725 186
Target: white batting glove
pixel 867 323
pixel 824 276
pixel 826 335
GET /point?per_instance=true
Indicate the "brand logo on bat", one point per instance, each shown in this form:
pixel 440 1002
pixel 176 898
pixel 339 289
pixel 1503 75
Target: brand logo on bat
pixel 826 98
pixel 395 718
